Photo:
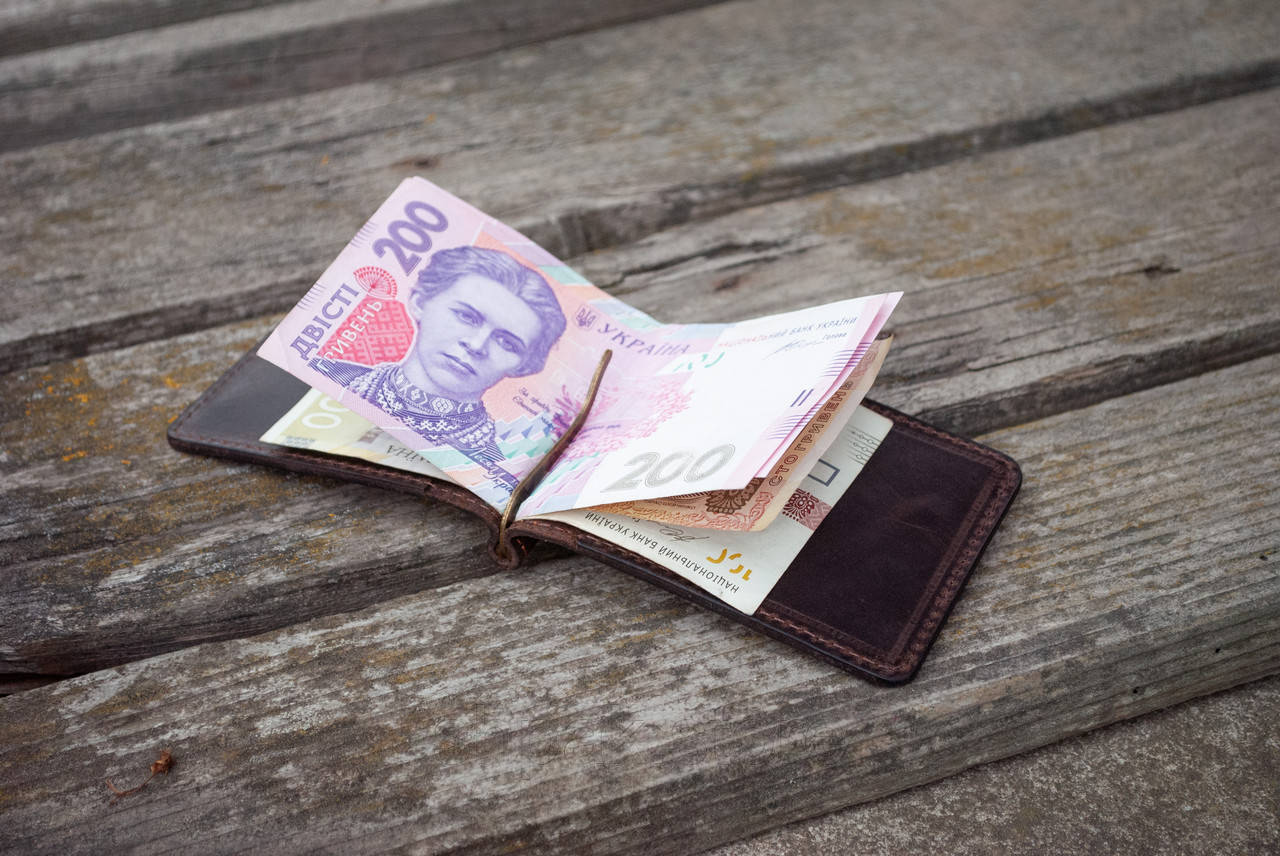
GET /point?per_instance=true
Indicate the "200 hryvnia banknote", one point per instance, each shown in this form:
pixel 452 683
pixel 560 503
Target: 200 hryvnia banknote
pixel 473 347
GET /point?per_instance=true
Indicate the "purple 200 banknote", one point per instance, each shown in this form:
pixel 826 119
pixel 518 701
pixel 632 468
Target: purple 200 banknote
pixel 474 347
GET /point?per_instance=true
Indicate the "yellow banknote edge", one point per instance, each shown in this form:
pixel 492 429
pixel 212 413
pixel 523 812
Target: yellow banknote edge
pixel 319 423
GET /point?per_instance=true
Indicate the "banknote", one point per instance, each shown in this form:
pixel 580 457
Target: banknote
pixel 758 504
pixel 741 568
pixel 745 396
pixel 473 347
pixel 320 424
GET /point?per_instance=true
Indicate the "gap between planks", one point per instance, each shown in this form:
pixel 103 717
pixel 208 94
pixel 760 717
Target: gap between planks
pixel 32 26
pixel 261 53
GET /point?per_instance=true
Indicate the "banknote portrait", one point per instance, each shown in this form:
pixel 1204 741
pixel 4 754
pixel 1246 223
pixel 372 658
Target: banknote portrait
pixel 481 316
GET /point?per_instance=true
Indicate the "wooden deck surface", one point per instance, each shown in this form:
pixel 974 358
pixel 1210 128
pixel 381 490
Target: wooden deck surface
pixel 1081 206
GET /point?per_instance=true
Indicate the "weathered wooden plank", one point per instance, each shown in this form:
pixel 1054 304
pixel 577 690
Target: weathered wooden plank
pixel 272 52
pixel 138 235
pixel 573 707
pixel 1037 280
pixel 1025 295
pixel 170 540
pixel 32 25
pixel 1197 778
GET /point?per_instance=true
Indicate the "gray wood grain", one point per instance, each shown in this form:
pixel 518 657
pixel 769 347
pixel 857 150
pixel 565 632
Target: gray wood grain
pixel 137 235
pixel 574 708
pixel 32 25
pixel 1027 293
pixel 1037 280
pixel 276 51
pixel 1198 778
pixel 180 547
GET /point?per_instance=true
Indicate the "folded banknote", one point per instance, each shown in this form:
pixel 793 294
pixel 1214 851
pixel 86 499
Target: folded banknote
pixel 473 348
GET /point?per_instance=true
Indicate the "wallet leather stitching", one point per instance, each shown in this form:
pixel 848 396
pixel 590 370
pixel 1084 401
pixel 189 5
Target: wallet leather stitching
pixel 918 633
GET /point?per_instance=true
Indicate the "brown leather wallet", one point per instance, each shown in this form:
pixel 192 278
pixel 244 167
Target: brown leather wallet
pixel 868 592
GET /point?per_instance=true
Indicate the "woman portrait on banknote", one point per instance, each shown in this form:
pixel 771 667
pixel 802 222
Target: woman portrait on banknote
pixel 481 317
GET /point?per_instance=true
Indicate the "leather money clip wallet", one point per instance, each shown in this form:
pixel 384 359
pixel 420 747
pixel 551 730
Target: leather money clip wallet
pixel 868 592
